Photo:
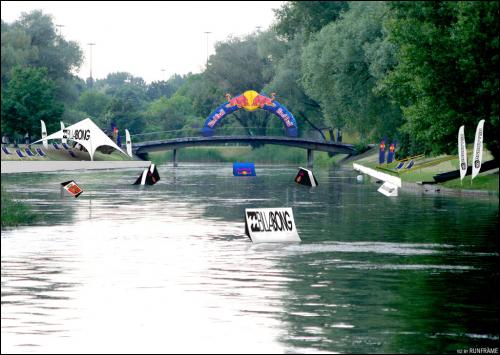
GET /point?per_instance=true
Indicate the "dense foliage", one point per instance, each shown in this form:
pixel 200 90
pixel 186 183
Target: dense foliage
pixel 410 71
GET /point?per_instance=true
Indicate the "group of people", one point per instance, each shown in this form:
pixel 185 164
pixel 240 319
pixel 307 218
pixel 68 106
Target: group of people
pixel 6 139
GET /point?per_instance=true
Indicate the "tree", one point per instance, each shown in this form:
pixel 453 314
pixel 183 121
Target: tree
pixel 167 88
pixel 94 104
pixel 306 17
pixel 340 68
pixel 29 98
pixel 287 85
pixel 31 41
pixel 447 72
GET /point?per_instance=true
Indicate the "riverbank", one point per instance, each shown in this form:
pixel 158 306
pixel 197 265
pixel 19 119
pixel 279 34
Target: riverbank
pixel 15 213
pixel 11 167
pixel 36 158
pixel 420 177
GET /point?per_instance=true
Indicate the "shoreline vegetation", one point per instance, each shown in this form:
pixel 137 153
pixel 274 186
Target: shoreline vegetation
pixel 15 213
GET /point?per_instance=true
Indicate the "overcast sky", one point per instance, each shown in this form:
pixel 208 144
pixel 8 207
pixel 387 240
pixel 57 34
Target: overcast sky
pixel 143 38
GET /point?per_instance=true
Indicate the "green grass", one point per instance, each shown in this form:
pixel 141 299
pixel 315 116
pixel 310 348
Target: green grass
pixel 480 182
pixel 15 213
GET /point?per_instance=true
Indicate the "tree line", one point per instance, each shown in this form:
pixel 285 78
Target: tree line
pixel 410 71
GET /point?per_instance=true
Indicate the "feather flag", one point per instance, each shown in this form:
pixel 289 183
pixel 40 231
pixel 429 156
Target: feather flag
pixel 44 135
pixel 477 157
pixel 462 153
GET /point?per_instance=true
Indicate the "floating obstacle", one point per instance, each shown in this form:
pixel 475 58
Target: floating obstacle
pixel 244 169
pixel 72 188
pixel 149 176
pixel 270 225
pixel 306 177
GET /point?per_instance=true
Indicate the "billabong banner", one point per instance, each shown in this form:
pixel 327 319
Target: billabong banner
pixel 477 157
pixel 462 153
pixel 270 225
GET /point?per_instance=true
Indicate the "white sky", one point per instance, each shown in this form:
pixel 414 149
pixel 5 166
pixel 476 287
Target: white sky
pixel 143 38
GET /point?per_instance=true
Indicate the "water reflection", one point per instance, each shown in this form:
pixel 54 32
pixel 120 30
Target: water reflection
pixel 168 268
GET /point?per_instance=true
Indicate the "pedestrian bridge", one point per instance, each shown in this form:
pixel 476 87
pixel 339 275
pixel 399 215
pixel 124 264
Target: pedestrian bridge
pixel 141 148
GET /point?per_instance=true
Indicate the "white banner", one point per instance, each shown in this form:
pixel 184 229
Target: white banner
pixel 462 153
pixel 270 225
pixel 477 157
pixel 129 143
pixel 44 135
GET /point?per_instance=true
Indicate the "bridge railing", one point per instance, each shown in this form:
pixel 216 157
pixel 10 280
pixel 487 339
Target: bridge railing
pixel 196 132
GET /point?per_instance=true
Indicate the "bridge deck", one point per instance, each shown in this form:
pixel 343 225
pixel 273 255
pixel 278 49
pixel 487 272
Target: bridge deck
pixel 159 145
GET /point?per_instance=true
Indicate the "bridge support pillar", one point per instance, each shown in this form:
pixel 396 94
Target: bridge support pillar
pixel 310 158
pixel 175 157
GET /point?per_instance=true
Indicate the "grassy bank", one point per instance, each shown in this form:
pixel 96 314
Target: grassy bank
pixel 268 154
pixel 15 213
pixel 426 167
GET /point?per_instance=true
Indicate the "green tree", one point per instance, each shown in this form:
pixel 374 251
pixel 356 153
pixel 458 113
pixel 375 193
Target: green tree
pixel 306 17
pixel 126 109
pixel 447 72
pixel 29 98
pixel 94 104
pixel 341 66
pixel 31 41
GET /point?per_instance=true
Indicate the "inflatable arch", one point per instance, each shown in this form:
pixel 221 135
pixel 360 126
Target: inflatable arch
pixel 250 100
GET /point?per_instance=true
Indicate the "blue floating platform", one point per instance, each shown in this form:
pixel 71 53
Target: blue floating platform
pixel 244 169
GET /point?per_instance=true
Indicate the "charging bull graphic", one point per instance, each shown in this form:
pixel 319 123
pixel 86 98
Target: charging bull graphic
pixel 250 101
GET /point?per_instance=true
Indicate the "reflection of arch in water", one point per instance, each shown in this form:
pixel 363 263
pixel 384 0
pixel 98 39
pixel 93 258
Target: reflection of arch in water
pixel 250 100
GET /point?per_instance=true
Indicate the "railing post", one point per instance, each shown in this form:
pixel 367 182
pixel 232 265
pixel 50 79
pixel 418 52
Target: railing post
pixel 310 158
pixel 175 158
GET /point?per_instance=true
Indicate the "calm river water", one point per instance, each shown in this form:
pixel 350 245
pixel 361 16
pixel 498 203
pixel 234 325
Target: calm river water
pixel 168 268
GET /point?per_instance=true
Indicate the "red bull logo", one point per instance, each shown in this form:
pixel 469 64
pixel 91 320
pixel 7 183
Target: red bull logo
pixel 250 100
pixel 391 148
pixel 240 101
pixel 261 100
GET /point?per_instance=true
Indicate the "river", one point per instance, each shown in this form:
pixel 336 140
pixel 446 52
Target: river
pixel 168 268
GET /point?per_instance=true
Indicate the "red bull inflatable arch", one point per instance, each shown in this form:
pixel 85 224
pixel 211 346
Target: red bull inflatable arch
pixel 250 100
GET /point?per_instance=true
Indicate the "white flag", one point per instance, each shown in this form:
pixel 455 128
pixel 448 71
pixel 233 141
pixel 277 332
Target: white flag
pixel 129 143
pixel 478 150
pixel 44 135
pixel 462 153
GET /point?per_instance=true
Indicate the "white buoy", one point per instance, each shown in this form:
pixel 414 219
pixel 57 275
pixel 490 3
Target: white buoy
pixel 359 177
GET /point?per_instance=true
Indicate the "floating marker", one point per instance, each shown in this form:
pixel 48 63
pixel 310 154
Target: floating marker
pixel 270 225
pixel 388 189
pixel 72 188
pixel 244 169
pixel 306 177
pixel 149 176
